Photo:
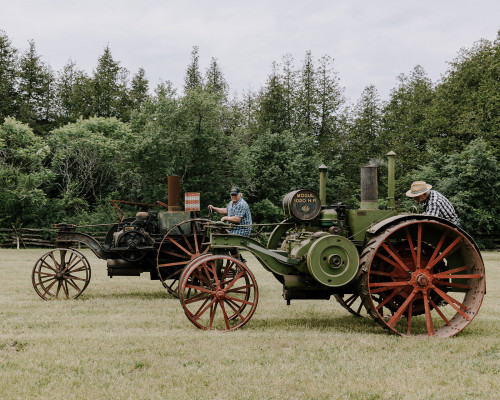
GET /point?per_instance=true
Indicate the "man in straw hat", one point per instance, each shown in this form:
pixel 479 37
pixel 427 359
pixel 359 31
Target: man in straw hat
pixel 434 203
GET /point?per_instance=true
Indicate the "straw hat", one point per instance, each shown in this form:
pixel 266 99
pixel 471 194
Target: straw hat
pixel 418 188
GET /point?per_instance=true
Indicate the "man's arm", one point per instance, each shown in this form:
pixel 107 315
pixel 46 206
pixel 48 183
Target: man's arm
pixel 233 219
pixel 220 210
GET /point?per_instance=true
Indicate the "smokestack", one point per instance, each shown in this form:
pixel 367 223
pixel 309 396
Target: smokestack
pixel 391 180
pixel 174 193
pixel 322 184
pixel 369 188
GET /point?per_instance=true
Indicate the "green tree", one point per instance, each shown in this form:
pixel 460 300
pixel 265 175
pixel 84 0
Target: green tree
pixel 109 81
pixel 281 162
pixel 8 74
pixel 86 158
pixel 273 106
pixel 215 81
pixel 139 91
pixel 74 93
pixel 330 99
pixel 289 80
pixel 364 128
pixel 36 90
pixel 467 101
pixel 405 120
pixel 193 78
pixel 358 145
pixel 307 98
pixel 23 177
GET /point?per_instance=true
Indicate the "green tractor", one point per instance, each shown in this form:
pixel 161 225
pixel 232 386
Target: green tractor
pixel 414 274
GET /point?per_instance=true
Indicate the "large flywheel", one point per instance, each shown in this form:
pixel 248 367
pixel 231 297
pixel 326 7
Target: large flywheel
pixel 181 244
pixel 422 278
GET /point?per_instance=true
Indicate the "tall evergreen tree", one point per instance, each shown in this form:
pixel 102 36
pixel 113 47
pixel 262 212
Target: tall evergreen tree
pixel 193 79
pixel 74 92
pixel 272 104
pixel 361 143
pixel 215 81
pixel 139 89
pixel 110 97
pixel 36 91
pixel 8 65
pixel 289 76
pixel 330 99
pixel 307 98
pixel 404 123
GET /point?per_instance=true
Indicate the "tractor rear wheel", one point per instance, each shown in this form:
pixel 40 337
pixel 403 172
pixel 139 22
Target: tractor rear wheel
pixel 181 244
pixel 422 278
pixel 218 292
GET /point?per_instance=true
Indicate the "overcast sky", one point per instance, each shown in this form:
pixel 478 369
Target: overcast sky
pixel 372 42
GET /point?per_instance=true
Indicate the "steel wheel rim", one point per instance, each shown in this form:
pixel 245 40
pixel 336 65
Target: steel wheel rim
pixel 353 303
pixel 61 273
pixel 225 293
pixel 436 289
pixel 177 251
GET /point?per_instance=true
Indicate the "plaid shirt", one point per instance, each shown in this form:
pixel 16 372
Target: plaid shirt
pixel 439 206
pixel 242 210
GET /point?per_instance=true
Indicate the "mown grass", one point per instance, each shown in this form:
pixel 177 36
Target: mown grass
pixel 126 338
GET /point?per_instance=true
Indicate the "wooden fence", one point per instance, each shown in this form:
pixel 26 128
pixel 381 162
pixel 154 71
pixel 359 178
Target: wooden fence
pixel 22 238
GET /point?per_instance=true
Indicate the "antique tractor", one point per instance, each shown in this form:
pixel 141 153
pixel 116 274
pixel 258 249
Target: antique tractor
pixel 160 243
pixel 413 274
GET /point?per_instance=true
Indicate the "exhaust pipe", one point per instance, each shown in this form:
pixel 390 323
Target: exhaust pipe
pixel 174 193
pixel 322 184
pixel 391 180
pixel 369 188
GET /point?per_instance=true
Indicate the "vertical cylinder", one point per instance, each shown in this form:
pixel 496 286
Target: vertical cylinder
pixel 174 193
pixel 369 188
pixel 322 184
pixel 391 179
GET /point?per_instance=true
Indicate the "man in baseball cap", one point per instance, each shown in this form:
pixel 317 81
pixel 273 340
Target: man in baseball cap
pixel 237 212
pixel 434 203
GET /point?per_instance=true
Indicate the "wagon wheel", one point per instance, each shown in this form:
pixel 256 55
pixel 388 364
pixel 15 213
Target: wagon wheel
pixel 422 278
pixel 225 292
pixel 352 303
pixel 181 244
pixel 61 273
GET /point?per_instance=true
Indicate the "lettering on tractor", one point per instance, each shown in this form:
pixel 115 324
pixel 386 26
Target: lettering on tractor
pixel 413 274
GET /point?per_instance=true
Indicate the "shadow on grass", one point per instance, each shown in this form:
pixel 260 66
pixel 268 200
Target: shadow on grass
pixel 343 324
pixel 352 324
pixel 160 294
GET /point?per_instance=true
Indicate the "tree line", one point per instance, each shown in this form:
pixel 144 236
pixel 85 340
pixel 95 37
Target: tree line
pixel 71 141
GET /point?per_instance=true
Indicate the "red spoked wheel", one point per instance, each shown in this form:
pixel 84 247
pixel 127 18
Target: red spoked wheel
pixel 218 292
pixel 61 273
pixel 422 278
pixel 181 244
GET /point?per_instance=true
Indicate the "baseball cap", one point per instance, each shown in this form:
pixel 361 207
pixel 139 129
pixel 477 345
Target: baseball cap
pixel 235 190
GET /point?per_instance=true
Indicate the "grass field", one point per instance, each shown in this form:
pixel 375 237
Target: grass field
pixel 126 338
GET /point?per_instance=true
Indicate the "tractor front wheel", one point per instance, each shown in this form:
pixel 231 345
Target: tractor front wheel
pixel 218 292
